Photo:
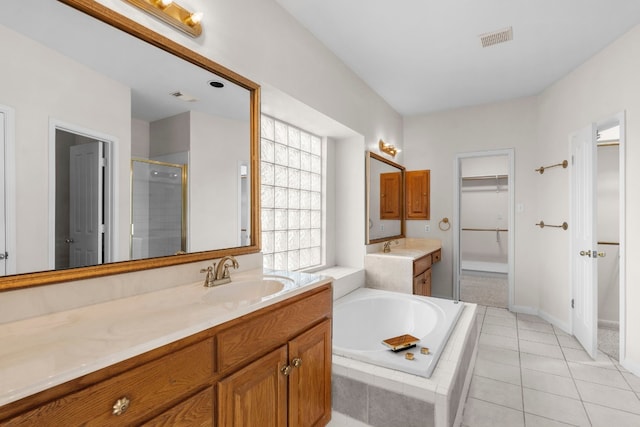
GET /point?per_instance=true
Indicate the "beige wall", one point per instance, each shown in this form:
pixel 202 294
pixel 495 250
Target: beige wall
pixel 40 94
pixel 432 141
pixel 606 84
pixel 538 128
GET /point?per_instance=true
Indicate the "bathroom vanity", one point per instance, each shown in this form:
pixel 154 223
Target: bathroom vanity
pixel 405 268
pixel 256 349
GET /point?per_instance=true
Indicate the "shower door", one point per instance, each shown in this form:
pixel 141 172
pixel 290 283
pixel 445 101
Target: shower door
pixel 158 208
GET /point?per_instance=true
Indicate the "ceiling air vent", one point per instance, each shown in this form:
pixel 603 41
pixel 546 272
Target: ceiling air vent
pixel 184 96
pixel 495 37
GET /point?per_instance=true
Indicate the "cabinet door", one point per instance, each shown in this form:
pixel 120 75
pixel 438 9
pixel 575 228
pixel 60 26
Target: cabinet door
pixel 255 395
pixel 390 195
pixel 310 380
pixel 422 284
pixel 417 197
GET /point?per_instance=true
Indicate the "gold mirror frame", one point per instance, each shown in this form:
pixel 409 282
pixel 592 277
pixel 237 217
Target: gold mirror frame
pixel 369 156
pixel 110 17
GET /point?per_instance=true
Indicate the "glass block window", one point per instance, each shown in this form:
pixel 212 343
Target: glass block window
pixel 291 196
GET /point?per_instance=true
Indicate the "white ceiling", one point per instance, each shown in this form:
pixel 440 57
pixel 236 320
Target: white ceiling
pixel 425 55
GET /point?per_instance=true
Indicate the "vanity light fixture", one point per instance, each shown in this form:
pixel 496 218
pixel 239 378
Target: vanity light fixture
pixel 388 148
pixel 173 14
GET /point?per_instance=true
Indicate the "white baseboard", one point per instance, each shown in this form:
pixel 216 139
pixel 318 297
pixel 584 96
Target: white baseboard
pixel 630 366
pixel 524 309
pixel 555 321
pixel 609 324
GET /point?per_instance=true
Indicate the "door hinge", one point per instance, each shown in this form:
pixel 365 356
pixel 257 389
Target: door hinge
pixel 572 303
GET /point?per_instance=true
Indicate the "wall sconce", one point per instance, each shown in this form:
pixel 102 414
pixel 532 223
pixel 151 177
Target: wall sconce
pixel 173 14
pixel 388 148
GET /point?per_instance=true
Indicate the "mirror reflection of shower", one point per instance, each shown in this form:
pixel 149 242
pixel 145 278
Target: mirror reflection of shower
pixel 158 208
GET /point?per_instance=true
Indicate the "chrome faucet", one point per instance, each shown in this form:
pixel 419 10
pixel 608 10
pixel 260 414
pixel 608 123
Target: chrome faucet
pixel 387 246
pixel 218 273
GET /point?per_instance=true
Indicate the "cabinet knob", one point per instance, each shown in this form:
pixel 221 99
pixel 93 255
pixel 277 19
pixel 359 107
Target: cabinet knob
pixel 296 362
pixel 121 406
pixel 286 370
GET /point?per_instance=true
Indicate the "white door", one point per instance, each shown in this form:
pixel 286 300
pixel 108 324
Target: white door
pixel 584 256
pixel 85 204
pixel 3 247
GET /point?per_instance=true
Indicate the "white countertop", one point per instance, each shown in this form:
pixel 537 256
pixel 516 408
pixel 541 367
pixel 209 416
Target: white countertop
pixel 42 352
pixel 413 250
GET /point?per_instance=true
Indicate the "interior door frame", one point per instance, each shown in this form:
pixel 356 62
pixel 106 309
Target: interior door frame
pixel 110 187
pixel 620 119
pixel 457 186
pixel 9 187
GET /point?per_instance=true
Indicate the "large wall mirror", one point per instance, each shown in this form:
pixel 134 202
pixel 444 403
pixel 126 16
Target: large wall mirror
pixel 385 199
pixel 126 151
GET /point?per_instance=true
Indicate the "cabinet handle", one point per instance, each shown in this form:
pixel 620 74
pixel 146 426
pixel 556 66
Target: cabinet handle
pixel 286 370
pixel 296 362
pixel 121 406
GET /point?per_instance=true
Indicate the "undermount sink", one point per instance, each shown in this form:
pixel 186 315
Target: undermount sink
pixel 248 291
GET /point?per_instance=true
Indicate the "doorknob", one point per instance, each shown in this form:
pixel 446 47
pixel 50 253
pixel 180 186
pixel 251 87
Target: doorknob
pixel 585 253
pixel 68 240
pixel 602 254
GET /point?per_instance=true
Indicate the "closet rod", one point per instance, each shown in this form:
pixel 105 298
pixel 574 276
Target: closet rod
pixel 609 243
pixel 564 165
pixel 483 177
pixel 485 229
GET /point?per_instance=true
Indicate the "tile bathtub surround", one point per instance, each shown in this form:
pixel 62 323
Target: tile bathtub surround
pixel 358 386
pixel 529 373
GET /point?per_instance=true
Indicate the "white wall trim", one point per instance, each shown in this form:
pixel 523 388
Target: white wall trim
pixel 524 310
pixel 111 190
pixel 565 326
pixel 10 187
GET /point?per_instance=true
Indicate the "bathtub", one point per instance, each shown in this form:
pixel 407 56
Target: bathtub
pixel 365 317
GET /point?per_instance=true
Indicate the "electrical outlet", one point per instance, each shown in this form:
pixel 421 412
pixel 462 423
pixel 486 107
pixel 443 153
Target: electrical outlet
pixel 427 228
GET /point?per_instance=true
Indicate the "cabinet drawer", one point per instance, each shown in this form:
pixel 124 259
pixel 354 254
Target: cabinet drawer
pixel 421 265
pixel 197 411
pixel 436 256
pixel 255 336
pixel 147 387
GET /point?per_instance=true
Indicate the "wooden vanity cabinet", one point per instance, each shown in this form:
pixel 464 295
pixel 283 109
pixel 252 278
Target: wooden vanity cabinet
pixel 290 383
pixel 422 273
pixel 230 375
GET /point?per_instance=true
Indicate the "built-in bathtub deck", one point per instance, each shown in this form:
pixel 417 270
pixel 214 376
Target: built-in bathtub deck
pixel 380 396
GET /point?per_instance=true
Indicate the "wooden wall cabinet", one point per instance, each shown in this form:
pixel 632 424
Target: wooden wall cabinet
pixel 391 195
pixel 422 273
pixel 271 367
pixel 418 188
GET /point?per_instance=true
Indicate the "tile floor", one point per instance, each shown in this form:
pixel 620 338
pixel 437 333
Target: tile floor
pixel 529 373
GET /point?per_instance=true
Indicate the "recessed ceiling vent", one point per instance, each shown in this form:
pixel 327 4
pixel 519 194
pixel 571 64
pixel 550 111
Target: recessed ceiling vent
pixel 495 37
pixel 184 96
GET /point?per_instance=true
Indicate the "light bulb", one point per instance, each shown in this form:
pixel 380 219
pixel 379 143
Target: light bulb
pixel 195 18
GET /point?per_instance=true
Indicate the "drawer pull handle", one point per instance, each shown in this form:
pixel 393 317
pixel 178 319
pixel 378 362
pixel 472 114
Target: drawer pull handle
pixel 121 406
pixel 286 370
pixel 296 362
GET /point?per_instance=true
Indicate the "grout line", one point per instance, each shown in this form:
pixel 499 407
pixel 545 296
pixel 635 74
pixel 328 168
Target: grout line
pixel 574 381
